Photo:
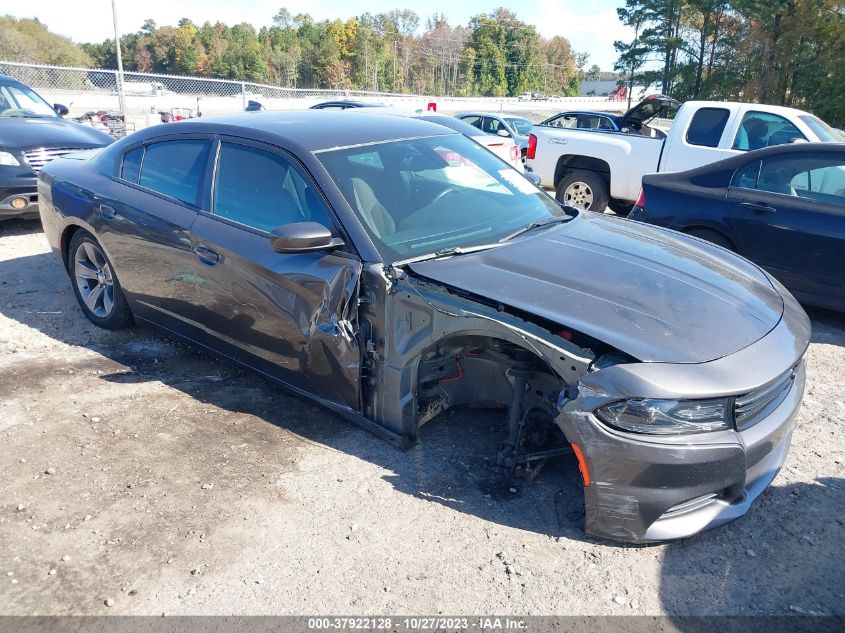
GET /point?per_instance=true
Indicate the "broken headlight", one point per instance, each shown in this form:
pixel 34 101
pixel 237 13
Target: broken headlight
pixel 667 417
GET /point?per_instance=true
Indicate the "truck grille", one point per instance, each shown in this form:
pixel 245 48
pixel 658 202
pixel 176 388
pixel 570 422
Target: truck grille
pixel 37 158
pixel 748 407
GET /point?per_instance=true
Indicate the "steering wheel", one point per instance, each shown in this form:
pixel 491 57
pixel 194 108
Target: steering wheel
pixel 447 191
pixel 13 112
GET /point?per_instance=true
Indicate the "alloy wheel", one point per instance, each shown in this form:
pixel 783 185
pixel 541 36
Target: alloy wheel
pixel 93 277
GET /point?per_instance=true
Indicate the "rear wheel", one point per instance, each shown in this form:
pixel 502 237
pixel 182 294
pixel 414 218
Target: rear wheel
pixel 583 190
pixel 713 237
pixel 95 283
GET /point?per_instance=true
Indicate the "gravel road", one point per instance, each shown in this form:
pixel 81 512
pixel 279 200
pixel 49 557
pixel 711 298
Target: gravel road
pixel 142 477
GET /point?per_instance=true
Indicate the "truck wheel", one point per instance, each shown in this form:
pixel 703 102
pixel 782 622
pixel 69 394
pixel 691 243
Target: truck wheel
pixel 583 190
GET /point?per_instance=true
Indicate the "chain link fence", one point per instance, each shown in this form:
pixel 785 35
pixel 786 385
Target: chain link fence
pixel 150 98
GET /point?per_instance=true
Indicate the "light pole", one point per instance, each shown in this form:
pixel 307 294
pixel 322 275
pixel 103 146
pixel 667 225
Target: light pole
pixel 120 100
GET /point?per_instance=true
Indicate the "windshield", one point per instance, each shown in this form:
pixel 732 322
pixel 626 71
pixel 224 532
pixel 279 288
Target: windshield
pixel 521 126
pixel 826 133
pixel 420 196
pixel 19 100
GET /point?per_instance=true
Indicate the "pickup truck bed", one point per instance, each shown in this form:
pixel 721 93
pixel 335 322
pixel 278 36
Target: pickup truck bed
pixel 594 169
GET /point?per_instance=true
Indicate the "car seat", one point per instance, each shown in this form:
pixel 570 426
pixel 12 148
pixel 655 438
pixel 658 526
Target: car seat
pixel 777 181
pixel 372 211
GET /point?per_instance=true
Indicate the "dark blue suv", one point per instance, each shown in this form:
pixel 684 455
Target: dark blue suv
pixel 32 133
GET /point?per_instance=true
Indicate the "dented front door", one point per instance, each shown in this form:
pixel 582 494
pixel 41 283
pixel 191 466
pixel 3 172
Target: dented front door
pixel 288 315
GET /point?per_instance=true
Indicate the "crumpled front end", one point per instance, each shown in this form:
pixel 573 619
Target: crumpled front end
pixel 646 488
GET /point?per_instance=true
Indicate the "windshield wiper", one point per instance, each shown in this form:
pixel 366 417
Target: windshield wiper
pixel 444 252
pixel 536 225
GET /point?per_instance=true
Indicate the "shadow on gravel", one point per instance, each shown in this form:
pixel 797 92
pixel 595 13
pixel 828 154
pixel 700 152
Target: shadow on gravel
pixel 446 466
pixel 827 326
pixel 783 558
pixel 19 227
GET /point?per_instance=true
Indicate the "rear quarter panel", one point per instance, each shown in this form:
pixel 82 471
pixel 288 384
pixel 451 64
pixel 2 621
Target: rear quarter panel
pixel 65 199
pixel 678 202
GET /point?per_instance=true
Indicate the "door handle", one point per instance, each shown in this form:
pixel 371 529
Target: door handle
pixel 757 207
pixel 206 255
pixel 107 212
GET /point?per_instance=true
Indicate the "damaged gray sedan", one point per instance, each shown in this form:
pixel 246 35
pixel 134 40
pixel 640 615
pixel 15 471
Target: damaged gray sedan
pixel 391 269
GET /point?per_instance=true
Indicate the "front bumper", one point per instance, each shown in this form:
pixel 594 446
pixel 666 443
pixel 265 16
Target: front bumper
pixel 18 183
pixel 647 489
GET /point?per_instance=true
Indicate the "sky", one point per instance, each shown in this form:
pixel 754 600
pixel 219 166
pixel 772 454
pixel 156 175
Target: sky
pixel 591 26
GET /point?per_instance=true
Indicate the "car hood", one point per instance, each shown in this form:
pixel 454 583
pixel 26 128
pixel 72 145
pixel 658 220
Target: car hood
pixel 652 293
pixel 21 133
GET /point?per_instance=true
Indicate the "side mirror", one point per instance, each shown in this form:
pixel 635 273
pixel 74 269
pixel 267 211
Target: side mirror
pixel 533 177
pixel 60 109
pixel 503 133
pixel 302 237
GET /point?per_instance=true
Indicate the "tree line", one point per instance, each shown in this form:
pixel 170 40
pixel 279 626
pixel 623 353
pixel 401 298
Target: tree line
pixel 781 52
pixel 495 54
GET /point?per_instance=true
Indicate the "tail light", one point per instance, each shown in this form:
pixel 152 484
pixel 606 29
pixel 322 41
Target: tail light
pixel 641 199
pixel 532 146
pixel 514 153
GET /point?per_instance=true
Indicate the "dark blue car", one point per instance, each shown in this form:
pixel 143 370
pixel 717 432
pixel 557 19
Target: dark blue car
pixel 781 207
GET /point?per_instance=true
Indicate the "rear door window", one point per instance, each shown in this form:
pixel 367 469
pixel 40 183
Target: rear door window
pixel 707 126
pixel 175 168
pixel 131 168
pixel 746 177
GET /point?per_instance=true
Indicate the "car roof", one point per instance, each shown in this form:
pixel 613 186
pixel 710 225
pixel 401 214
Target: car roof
pixel 590 113
pixel 453 123
pixel 309 130
pixel 801 147
pixel 733 163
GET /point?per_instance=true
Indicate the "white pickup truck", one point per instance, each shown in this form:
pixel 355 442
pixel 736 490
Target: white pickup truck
pixel 595 168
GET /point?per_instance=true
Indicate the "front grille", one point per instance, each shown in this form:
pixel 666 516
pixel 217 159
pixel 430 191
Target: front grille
pixel 690 505
pixel 747 408
pixel 37 158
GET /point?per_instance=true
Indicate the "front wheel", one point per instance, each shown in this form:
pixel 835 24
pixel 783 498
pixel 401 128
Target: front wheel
pixel 585 190
pixel 95 284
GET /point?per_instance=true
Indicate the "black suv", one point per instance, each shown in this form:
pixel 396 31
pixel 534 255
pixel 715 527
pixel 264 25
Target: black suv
pixel 32 133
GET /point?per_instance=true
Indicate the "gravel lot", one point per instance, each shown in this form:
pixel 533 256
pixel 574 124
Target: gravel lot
pixel 141 474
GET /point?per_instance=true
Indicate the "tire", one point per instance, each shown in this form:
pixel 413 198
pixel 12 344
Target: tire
pixel 95 283
pixel 583 190
pixel 620 208
pixel 714 237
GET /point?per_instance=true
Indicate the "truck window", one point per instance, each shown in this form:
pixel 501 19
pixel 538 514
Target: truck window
pixel 764 129
pixel 707 126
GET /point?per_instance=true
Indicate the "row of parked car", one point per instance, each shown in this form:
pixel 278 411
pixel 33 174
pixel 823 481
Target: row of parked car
pixel 391 268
